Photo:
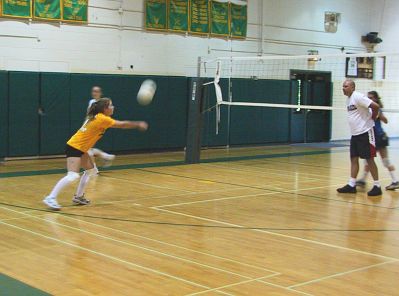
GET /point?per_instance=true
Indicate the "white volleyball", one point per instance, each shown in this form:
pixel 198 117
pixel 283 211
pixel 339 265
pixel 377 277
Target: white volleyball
pixel 146 92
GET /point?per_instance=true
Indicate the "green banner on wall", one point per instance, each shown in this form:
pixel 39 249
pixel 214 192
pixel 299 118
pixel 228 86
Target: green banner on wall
pixel 178 15
pixel 220 18
pixel 75 10
pixel 47 9
pixel 199 16
pixel 238 18
pixel 155 14
pixel 17 8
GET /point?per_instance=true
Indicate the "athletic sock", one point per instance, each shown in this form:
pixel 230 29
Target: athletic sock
pixel 82 184
pixel 377 183
pixel 61 184
pixel 393 177
pixel 352 182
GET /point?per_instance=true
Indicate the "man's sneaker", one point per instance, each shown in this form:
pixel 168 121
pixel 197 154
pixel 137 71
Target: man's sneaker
pixel 52 203
pixel 393 186
pixel 375 191
pixel 80 200
pixel 361 183
pixel 347 189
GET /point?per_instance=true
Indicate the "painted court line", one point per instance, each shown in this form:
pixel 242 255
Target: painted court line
pixel 283 235
pixel 138 246
pixel 342 273
pixel 286 288
pixel 212 200
pixel 228 286
pixel 109 257
pixel 242 196
pixel 176 246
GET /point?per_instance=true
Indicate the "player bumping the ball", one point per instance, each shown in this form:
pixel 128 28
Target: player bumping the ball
pixel 362 145
pixel 98 120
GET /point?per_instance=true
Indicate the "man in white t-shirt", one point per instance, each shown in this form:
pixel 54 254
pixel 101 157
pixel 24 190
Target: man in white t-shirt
pixel 361 123
pixel 96 94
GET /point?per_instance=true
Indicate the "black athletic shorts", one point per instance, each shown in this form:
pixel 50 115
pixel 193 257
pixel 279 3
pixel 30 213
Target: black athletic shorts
pixel 381 141
pixel 363 145
pixel 72 152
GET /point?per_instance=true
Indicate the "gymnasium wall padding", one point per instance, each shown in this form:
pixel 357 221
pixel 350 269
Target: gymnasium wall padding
pixel 64 98
pixel 54 123
pixel 4 113
pixel 258 125
pixel 23 115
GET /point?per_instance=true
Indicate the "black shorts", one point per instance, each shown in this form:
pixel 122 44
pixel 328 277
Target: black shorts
pixel 381 141
pixel 72 152
pixel 363 145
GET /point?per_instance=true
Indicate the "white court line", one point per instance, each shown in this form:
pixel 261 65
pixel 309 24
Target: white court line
pixel 139 247
pixel 227 286
pixel 110 257
pixel 248 195
pixel 282 235
pixel 146 184
pixel 270 173
pixel 341 274
pixel 215 199
pixel 282 287
pixel 176 246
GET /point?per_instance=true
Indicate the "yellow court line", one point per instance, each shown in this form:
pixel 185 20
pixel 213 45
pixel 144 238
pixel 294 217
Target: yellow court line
pixel 342 273
pixel 140 247
pixel 230 285
pixel 282 235
pixel 110 257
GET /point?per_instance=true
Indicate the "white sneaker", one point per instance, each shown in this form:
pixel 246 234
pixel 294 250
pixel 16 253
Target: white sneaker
pixel 108 159
pixel 52 203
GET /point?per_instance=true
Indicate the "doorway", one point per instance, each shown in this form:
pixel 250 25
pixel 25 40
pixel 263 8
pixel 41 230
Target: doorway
pixel 310 88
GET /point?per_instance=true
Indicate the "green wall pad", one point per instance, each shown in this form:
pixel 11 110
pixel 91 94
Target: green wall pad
pixel 259 125
pixel 4 113
pixel 54 123
pixel 23 114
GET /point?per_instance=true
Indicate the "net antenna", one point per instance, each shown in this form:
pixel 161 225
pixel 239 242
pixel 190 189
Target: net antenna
pixel 218 92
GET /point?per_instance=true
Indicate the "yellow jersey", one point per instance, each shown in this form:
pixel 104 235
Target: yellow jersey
pixel 90 132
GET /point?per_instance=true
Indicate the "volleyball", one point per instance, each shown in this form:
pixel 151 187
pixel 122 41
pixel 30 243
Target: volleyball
pixel 146 92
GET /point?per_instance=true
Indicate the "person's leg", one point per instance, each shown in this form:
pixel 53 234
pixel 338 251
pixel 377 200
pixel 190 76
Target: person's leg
pixel 91 154
pixel 391 169
pixel 354 171
pixel 363 178
pixel 351 186
pixel 89 170
pixel 369 153
pixel 102 154
pixel 73 166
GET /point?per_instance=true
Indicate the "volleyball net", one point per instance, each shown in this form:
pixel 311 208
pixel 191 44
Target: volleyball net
pixel 302 84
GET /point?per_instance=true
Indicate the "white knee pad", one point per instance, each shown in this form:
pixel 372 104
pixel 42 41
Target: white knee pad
pixel 72 176
pixel 386 162
pixel 91 172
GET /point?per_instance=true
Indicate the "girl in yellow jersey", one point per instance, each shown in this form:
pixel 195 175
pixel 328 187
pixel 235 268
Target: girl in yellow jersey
pixel 98 120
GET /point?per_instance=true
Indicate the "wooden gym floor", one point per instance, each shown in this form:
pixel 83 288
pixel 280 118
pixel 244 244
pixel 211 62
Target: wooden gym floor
pixel 247 221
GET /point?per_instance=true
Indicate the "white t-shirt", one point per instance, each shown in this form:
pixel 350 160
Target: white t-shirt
pixel 359 115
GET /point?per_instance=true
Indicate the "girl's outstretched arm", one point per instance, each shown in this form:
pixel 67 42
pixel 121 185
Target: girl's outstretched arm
pixel 126 124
